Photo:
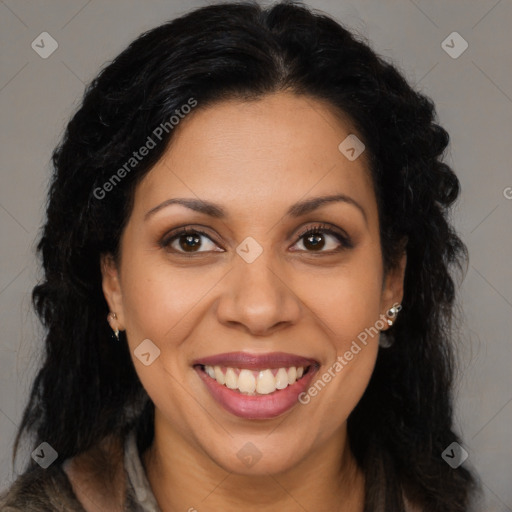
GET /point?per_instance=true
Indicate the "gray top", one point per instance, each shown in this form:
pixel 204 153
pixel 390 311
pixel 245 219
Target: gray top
pixel 48 489
pixel 138 484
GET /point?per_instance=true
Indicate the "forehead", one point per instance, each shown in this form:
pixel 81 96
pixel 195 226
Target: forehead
pixel 251 155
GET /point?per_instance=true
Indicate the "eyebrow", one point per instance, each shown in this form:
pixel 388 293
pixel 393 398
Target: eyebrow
pixel 297 210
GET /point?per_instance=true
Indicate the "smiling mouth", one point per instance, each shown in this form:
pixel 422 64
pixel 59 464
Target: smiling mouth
pixel 264 381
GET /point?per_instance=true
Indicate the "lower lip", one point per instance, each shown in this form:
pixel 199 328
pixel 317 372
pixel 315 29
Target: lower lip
pixel 257 407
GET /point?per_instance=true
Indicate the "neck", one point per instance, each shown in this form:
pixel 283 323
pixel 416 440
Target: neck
pixel 183 477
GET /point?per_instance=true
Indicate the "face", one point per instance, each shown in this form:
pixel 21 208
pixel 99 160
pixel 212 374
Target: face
pixel 243 296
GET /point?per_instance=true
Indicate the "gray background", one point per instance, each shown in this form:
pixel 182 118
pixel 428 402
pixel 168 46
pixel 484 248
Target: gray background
pixel 473 94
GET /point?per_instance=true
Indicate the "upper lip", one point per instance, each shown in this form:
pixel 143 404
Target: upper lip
pixel 256 361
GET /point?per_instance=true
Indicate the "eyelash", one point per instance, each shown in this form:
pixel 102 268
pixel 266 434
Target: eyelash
pixel 344 240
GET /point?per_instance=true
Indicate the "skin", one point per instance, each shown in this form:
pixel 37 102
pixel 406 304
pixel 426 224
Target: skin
pixel 255 159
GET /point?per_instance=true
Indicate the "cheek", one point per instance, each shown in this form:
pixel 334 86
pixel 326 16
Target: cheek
pixel 159 300
pixel 348 304
pixel 346 300
pixel 161 304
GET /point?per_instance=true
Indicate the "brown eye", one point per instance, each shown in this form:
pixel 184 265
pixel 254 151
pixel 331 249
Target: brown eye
pixel 188 241
pixel 314 241
pixel 317 238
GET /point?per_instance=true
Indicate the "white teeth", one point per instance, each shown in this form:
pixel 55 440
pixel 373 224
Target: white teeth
pixel 292 375
pixel 246 382
pixel 266 382
pixel 281 378
pixel 231 378
pixel 251 382
pixel 219 376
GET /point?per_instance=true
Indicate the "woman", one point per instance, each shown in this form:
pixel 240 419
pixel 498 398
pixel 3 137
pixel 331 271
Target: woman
pixel 248 284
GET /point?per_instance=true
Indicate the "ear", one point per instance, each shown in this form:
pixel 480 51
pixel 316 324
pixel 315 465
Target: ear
pixel 112 290
pixel 393 286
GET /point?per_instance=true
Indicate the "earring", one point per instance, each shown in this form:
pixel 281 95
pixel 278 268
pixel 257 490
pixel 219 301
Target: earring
pixel 113 316
pixel 385 339
pixel 392 313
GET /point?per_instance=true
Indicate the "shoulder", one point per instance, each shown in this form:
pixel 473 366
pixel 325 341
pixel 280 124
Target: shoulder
pixel 98 477
pixel 39 490
pixel 92 481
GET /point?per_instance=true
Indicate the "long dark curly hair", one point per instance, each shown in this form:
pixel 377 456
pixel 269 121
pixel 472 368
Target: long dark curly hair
pixel 87 387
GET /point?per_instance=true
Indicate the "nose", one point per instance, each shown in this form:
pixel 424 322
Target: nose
pixel 258 299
